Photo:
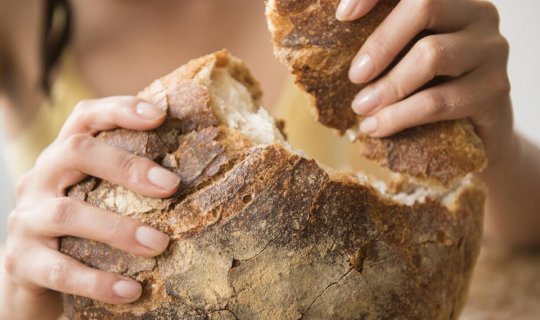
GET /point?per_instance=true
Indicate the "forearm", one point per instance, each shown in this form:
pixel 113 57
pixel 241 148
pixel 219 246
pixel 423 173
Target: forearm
pixel 17 303
pixel 513 203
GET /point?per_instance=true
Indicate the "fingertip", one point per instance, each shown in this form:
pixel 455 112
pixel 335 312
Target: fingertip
pixel 366 101
pixel 127 290
pixel 362 69
pixel 166 181
pixel 148 111
pixel 345 9
pixel 369 126
pixel 349 10
pixel 152 239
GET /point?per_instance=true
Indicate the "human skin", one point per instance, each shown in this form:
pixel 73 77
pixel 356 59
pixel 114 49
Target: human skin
pixel 465 45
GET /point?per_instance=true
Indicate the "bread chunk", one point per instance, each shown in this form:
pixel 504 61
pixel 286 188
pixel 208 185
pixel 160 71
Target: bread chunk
pixel 318 49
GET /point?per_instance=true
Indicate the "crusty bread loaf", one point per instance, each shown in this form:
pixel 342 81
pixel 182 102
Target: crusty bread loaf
pixel 319 49
pixel 260 232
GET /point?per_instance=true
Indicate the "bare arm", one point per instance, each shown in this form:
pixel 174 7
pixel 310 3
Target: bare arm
pixel 513 206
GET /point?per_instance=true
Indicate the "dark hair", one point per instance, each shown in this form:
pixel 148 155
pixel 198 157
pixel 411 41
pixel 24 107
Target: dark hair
pixel 56 36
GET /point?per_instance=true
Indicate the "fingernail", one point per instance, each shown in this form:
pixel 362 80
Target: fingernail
pixel 151 238
pixel 366 101
pixel 127 289
pixel 149 111
pixel 345 10
pixel 362 69
pixel 163 179
pixel 369 125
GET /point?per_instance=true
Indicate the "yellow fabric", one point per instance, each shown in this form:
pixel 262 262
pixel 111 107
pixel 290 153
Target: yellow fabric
pixel 317 141
pixel 22 150
pixel 303 131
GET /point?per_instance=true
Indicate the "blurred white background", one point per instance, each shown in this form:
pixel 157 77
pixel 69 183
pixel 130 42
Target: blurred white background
pixel 519 23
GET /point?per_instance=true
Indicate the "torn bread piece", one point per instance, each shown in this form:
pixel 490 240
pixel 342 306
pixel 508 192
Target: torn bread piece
pixel 318 49
pixel 260 232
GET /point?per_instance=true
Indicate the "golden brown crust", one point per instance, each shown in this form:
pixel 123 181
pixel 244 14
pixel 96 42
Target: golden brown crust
pixel 443 152
pixel 318 49
pixel 260 233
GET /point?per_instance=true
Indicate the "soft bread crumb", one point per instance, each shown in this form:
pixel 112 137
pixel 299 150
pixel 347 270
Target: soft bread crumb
pixel 234 105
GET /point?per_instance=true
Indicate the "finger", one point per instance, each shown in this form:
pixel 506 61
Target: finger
pixel 469 96
pixel 450 55
pixel 70 217
pixel 348 10
pixel 409 19
pixel 92 116
pixel 47 268
pixel 79 155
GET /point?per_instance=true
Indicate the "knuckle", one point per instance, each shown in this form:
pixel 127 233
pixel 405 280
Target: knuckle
pixel 61 212
pixel 80 110
pixel 81 106
pixel 388 122
pixel 128 166
pixel 425 7
pixel 435 104
pixel 11 259
pixel 13 220
pixel 93 285
pixel 502 85
pixel 59 274
pixel 379 47
pixel 489 11
pixel 43 158
pixel 502 47
pixel 391 87
pixel 118 226
pixel 78 142
pixel 431 52
pixel 47 158
pixel 22 184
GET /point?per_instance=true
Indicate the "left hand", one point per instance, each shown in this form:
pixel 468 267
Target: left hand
pixel 463 49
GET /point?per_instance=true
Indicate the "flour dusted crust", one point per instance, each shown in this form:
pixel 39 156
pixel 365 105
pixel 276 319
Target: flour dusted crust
pixel 318 49
pixel 260 232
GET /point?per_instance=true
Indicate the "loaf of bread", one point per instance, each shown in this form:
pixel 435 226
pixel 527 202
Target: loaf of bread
pixel 258 231
pixel 319 49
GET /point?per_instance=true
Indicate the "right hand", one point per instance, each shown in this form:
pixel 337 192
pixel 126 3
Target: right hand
pixel 43 212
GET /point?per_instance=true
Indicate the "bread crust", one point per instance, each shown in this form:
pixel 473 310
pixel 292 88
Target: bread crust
pixel 318 49
pixel 258 232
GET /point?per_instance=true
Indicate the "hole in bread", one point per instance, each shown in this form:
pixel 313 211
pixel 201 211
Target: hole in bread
pixel 235 263
pixel 247 198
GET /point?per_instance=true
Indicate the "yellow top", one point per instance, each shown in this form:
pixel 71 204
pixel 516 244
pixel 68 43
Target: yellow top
pixel 22 150
pixel 303 131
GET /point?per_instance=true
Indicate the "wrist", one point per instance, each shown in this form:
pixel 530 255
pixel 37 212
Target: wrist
pixel 502 163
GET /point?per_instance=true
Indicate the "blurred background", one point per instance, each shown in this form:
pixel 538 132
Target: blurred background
pixel 519 23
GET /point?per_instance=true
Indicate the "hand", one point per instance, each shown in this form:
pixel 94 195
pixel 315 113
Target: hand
pixel 463 50
pixel 43 213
